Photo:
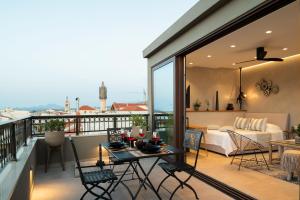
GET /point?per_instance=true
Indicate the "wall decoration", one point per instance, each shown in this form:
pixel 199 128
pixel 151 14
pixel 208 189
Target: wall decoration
pixel 230 106
pixel 197 105
pixel 188 97
pixel 267 87
pixel 241 99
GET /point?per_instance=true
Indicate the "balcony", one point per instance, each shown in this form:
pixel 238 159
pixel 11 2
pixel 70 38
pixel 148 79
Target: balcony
pixel 23 157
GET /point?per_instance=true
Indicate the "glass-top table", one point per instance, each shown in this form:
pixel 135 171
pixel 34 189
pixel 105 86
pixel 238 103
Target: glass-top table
pixel 281 145
pixel 133 155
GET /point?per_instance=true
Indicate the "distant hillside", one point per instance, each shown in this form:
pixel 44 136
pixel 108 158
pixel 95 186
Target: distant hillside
pixel 41 107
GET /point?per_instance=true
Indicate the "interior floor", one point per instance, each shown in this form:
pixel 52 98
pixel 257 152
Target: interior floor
pixel 253 183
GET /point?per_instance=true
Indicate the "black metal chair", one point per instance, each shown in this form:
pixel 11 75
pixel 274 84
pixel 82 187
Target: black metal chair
pixel 113 135
pixel 92 179
pixel 192 140
pixel 245 145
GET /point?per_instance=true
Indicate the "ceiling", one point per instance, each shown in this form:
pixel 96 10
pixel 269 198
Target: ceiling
pixel 285 26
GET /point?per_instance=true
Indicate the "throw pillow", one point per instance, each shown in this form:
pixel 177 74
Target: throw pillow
pixel 241 123
pixel 258 124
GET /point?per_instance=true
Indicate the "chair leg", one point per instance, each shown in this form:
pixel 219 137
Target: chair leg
pixel 48 152
pixel 134 167
pixel 191 189
pixel 62 160
pixel 81 198
pixel 46 158
pixel 175 191
pixel 89 190
pixel 235 153
pixel 241 161
pixel 162 182
pixel 105 191
pixel 255 157
pixel 264 159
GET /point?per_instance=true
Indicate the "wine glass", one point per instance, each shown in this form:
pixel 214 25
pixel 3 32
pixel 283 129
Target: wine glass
pixel 141 133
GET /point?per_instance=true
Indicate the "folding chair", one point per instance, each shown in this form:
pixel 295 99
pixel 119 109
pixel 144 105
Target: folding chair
pixel 92 179
pixel 192 140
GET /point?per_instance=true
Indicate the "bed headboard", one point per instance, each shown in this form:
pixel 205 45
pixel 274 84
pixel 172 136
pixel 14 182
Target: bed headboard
pixel 280 119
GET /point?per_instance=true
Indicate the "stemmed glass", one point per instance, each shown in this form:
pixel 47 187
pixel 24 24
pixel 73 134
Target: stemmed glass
pixel 155 137
pixel 141 133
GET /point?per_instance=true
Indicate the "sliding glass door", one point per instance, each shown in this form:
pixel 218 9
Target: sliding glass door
pixel 163 101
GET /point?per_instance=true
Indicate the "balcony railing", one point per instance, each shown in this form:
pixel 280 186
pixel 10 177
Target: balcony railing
pixel 14 134
pixel 84 124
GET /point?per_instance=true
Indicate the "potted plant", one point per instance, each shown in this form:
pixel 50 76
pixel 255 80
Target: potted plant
pixel 297 137
pixel 138 122
pixel 54 132
pixel 197 105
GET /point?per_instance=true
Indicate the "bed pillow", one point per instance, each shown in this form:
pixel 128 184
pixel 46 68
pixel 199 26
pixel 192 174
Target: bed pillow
pixel 271 128
pixel 258 124
pixel 241 123
pixel 226 128
pixel 213 127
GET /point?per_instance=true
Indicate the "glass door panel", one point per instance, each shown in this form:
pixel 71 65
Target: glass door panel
pixel 163 102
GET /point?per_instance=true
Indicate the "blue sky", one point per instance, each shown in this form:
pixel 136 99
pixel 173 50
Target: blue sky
pixel 58 48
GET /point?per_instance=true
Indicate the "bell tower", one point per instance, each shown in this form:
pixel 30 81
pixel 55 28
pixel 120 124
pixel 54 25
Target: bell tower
pixel 102 97
pixel 67 105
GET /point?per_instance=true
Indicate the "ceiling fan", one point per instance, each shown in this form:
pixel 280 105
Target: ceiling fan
pixel 261 56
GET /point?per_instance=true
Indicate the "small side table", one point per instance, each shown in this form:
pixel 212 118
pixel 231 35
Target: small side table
pixel 281 145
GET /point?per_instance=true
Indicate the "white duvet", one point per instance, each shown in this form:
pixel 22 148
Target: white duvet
pixel 222 139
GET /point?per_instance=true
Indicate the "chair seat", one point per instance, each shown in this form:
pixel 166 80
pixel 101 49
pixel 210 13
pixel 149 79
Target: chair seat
pixel 99 176
pixel 175 167
pixel 115 161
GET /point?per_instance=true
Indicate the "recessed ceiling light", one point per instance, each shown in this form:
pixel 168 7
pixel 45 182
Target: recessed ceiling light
pixel 232 46
pixel 209 56
pixel 285 49
pixel 191 63
pixel 268 32
pixel 233 63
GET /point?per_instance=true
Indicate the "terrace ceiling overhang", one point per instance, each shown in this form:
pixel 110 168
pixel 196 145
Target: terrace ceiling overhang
pixel 277 32
pixel 206 22
pixel 197 13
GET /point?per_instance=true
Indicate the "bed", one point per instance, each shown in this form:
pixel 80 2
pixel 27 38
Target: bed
pixel 218 140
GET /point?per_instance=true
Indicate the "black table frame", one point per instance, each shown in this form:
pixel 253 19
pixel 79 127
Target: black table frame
pixel 136 159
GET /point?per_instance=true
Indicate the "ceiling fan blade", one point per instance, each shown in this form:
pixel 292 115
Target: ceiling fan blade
pixel 260 53
pixel 245 61
pixel 273 59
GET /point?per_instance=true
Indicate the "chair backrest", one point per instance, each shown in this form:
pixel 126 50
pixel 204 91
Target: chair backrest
pixel 113 134
pixel 76 159
pixel 192 140
pixel 242 142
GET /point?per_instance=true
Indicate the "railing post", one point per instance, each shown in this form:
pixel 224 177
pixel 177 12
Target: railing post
pixel 13 145
pixel 77 125
pixel 115 123
pixel 146 118
pixel 25 133
pixel 30 126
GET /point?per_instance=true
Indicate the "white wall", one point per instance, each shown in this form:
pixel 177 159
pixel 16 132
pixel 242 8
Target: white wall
pixel 204 82
pixel 286 75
